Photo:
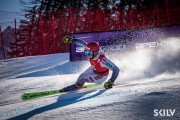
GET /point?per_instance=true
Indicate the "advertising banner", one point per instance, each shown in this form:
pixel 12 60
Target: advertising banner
pixel 118 42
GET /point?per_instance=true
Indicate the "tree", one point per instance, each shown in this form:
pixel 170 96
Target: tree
pixel 47 21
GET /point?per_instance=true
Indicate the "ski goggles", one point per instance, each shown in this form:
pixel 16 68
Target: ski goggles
pixel 88 52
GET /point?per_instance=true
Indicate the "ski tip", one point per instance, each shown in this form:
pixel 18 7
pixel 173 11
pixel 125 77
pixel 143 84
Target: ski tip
pixel 25 96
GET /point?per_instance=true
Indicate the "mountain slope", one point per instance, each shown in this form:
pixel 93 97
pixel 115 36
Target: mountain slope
pixel 129 99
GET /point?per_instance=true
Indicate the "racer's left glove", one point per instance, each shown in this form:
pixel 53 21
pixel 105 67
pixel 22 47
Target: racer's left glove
pixel 108 84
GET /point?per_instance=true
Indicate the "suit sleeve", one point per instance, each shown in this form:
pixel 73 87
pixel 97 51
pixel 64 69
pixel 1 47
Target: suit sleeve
pixel 79 42
pixel 110 65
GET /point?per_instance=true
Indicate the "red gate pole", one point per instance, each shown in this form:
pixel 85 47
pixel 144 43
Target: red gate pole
pixel 71 19
pixel 158 18
pixel 167 11
pixel 130 18
pixel 15 32
pixel 87 19
pixel 116 15
pixel 42 32
pixel 99 19
pixel 118 23
pixel 3 50
pixel 142 14
pixel 53 35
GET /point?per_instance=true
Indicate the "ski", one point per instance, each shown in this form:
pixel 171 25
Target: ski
pixel 33 95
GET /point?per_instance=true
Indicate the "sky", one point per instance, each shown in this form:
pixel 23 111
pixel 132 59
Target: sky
pixel 9 10
pixel 10 5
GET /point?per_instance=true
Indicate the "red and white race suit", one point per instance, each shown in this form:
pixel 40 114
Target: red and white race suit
pixel 99 70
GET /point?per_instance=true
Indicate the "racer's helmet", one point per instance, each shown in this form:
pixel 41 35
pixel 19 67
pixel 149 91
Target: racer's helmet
pixel 92 49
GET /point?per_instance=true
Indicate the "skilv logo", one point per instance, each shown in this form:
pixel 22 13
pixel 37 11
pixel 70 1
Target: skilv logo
pixel 164 112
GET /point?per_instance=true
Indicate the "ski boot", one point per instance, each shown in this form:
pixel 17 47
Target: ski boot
pixel 69 88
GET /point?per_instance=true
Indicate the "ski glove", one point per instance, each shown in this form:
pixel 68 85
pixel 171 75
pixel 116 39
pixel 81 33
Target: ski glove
pixel 108 84
pixel 67 39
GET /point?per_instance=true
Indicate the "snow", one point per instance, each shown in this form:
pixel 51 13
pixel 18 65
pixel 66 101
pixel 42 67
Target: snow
pixel 147 81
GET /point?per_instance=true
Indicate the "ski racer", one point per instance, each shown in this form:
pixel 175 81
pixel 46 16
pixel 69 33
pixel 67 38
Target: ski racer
pixel 100 66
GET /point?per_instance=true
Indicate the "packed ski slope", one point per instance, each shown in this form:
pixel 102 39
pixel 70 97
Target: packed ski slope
pixel 147 82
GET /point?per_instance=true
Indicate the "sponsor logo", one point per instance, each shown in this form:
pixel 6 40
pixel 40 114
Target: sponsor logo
pixel 79 49
pixel 149 45
pixel 122 47
pixel 113 48
pixel 164 112
pixel 110 48
pixel 109 65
